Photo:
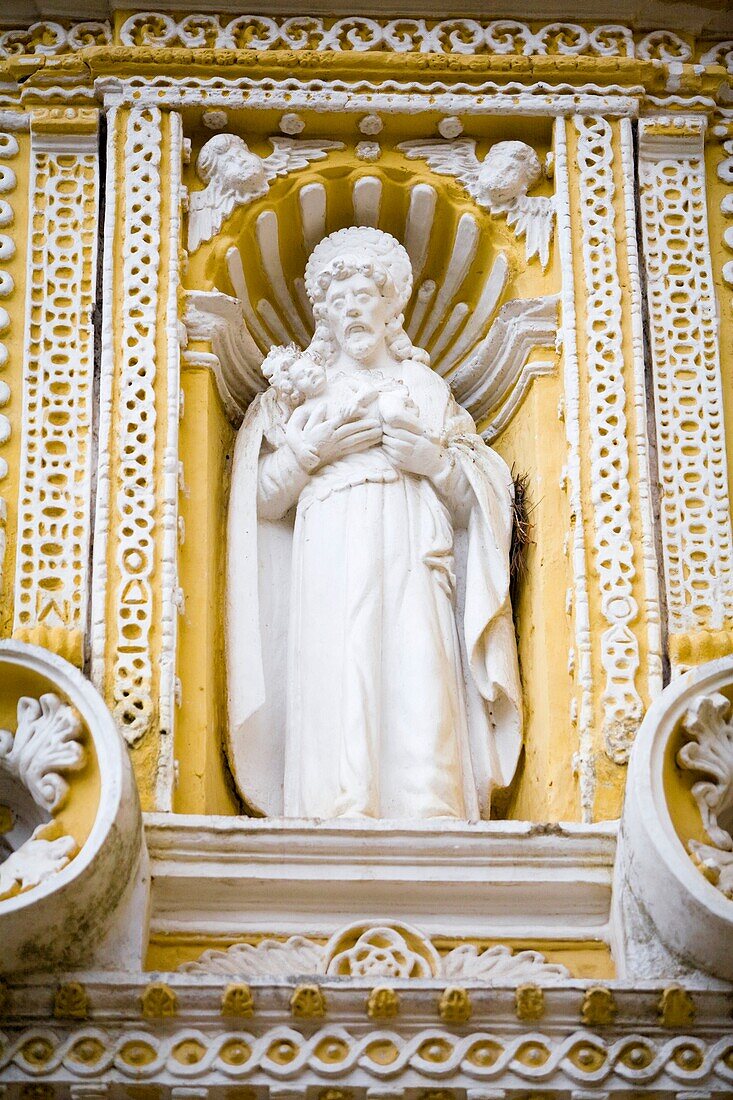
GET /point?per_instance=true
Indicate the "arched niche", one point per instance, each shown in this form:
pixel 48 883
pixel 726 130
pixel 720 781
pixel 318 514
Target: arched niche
pixel 487 314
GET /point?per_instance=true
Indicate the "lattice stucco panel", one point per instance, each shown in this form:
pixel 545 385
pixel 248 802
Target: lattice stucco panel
pixel 134 633
pixel 684 334
pixel 8 184
pixel 51 575
pixel 608 436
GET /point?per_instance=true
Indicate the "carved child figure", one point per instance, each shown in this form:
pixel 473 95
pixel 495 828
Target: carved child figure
pixel 307 398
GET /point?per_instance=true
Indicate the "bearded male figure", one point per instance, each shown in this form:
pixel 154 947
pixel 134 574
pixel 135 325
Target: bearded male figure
pixel 371 651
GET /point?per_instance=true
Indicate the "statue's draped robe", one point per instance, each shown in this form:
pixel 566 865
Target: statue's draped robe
pixel 371 652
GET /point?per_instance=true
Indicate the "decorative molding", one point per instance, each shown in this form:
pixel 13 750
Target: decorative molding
pixel 137 509
pixel 725 175
pixel 275 873
pixel 137 367
pixel 103 504
pixel 719 54
pixel 684 334
pixel 643 484
pixel 8 182
pixel 402 35
pixel 580 660
pixel 607 431
pixel 709 752
pixel 549 1060
pixel 374 950
pixel 171 596
pixel 54 520
pixel 49 39
pixel 355 97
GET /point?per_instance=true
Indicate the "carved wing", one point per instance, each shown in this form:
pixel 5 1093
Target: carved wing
pixel 207 211
pixel 498 964
pixel 269 958
pixel 533 219
pixel 290 154
pixel 447 158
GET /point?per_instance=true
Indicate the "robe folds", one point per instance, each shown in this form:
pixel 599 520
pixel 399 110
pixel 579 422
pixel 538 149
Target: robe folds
pixel 371 656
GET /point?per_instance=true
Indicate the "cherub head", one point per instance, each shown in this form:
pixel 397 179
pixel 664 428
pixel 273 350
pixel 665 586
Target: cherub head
pixel 230 158
pixel 293 375
pixel 509 170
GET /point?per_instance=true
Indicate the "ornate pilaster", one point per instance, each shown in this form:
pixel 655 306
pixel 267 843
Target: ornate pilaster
pixel 9 148
pixel 54 505
pixel 617 665
pixel 684 335
pixel 135 577
pixel 609 448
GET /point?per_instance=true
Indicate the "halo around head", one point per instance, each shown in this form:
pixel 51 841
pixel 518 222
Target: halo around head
pixel 365 244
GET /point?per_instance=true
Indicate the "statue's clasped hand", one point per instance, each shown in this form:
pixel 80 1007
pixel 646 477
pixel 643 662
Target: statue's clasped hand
pixel 411 450
pixel 317 440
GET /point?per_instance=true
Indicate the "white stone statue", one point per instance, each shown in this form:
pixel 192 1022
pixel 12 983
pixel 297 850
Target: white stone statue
pixel 371 652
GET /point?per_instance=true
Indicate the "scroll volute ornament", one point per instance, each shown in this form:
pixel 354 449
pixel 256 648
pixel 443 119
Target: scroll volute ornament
pixel 660 857
pixel 74 834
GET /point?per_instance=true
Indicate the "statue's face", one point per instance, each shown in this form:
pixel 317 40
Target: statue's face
pixel 358 313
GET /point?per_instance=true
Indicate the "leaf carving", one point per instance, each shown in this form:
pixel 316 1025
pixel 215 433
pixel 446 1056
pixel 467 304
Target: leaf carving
pixel 46 742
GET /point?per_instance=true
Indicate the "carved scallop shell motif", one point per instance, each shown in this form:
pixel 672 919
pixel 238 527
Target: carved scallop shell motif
pixel 477 339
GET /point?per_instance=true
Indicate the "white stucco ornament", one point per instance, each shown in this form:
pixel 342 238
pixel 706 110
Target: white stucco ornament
pixel 235 176
pixel 47 742
pixel 382 524
pixel 709 752
pixel 499 184
pixel 657 877
pixel 58 896
pixel 375 949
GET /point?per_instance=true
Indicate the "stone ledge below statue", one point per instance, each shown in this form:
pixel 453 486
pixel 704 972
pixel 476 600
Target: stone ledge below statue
pixel 233 876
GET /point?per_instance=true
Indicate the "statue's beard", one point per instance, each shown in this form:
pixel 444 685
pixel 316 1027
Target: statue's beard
pixel 361 345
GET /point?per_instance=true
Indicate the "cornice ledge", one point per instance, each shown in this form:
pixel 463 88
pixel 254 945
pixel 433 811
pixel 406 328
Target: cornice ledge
pixel 625 71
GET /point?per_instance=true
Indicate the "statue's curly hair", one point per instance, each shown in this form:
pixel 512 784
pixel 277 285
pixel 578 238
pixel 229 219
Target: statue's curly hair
pixel 323 344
